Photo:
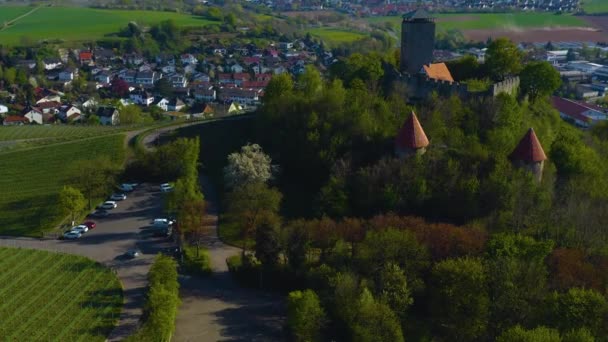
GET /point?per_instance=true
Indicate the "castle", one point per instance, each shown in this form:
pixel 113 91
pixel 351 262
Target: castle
pixel 417 72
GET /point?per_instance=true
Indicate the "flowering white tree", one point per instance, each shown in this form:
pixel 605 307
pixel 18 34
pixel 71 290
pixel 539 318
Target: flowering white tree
pixel 251 165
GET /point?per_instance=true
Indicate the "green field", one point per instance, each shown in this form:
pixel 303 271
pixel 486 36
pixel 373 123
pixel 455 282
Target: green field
pixel 336 36
pixel 56 297
pixel 56 131
pixel 10 13
pixel 32 178
pixel 595 6
pixel 84 24
pixel 475 21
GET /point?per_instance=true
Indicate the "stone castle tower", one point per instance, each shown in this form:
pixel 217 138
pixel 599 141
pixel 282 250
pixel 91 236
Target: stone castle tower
pixel 417 41
pixel 530 155
pixel 411 138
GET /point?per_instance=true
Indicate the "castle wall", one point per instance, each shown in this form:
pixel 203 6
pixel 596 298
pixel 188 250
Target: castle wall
pixel 417 44
pixel 509 86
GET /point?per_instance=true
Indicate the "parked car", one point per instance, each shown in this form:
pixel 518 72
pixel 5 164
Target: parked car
pixel 166 187
pixel 100 213
pixel 108 205
pixel 71 235
pixel 126 187
pixel 90 224
pixel 80 229
pixel 132 253
pixel 161 223
pixel 133 185
pixel 118 197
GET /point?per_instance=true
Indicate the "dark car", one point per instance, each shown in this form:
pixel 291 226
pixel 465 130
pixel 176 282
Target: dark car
pixel 90 224
pixel 100 213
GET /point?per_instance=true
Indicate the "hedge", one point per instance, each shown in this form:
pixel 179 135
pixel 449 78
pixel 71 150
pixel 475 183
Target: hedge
pixel 162 301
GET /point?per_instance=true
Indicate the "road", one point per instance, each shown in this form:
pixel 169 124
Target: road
pixel 124 229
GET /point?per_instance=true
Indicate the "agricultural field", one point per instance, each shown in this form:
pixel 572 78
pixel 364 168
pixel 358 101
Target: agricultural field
pixel 32 178
pixel 10 13
pixel 335 35
pixel 56 297
pixel 481 21
pixel 595 6
pixel 84 24
pixel 67 132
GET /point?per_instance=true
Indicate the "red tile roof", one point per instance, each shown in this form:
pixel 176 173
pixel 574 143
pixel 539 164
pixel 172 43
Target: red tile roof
pixel 86 55
pixel 16 118
pixel 438 71
pixel 529 149
pixel 411 134
pixel 572 109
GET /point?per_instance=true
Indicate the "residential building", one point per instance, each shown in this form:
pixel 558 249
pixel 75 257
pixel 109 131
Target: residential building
pixel 15 120
pixel 34 115
pixel 178 81
pixel 556 57
pixel 236 68
pixel 146 78
pixel 86 58
pixel 52 63
pixel 104 77
pixel 205 94
pixel 241 96
pixel 188 59
pixel 68 74
pixel 162 104
pixel 3 109
pixel 69 113
pixel 141 97
pixel 108 115
pixel 175 105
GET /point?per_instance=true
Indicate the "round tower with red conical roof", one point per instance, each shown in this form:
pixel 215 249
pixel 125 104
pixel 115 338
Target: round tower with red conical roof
pixel 411 138
pixel 530 155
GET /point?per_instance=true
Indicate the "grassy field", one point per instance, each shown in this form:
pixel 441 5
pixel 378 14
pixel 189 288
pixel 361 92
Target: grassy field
pixel 335 36
pixel 59 131
pixel 595 6
pixel 79 23
pixel 56 297
pixel 475 21
pixel 10 13
pixel 32 178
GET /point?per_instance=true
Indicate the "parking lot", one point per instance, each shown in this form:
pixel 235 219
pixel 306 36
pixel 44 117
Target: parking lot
pixel 127 227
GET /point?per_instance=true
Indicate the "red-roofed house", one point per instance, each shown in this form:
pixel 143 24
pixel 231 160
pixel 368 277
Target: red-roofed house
pixel 580 113
pixel 86 57
pixel 411 138
pixel 529 154
pixel 14 120
pixel 437 71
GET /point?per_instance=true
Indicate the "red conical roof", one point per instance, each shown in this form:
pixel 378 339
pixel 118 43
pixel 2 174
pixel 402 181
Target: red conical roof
pixel 411 134
pixel 529 149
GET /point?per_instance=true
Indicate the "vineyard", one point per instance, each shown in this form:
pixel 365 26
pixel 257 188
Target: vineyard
pixel 32 178
pixel 56 297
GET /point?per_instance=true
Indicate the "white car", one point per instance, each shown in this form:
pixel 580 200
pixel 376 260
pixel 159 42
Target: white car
pixel 161 223
pixel 166 187
pixel 126 187
pixel 108 205
pixel 80 229
pixel 71 235
pixel 118 197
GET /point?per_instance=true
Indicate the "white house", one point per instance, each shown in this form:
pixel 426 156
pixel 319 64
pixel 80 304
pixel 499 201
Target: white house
pixel 142 97
pixel 34 115
pixel 108 116
pixel 188 58
pixel 146 78
pixel 89 103
pixel 178 81
pixel 68 112
pixel 3 109
pixel 162 104
pixel 175 105
pixel 51 63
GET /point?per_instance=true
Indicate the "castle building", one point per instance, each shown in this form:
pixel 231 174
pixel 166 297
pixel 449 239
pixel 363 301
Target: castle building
pixel 417 41
pixel 411 139
pixel 529 154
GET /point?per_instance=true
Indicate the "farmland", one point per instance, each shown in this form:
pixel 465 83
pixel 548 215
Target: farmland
pixel 595 6
pixel 32 178
pixel 9 13
pixel 27 132
pixel 83 24
pixel 335 35
pixel 56 297
pixel 479 21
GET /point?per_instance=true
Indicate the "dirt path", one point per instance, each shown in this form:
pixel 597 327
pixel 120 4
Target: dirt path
pixel 10 23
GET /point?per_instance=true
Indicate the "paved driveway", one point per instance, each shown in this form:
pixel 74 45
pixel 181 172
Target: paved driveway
pixel 124 229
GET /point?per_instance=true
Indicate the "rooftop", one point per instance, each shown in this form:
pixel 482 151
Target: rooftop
pixel 529 149
pixel 411 134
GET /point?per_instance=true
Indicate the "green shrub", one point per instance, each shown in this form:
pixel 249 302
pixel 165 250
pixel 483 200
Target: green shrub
pixel 246 271
pixel 161 302
pixel 194 264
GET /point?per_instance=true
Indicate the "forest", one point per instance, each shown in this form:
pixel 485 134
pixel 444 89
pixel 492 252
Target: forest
pixel 455 244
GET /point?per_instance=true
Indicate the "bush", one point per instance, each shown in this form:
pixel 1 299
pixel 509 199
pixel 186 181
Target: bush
pixel 161 302
pixel 246 271
pixel 199 265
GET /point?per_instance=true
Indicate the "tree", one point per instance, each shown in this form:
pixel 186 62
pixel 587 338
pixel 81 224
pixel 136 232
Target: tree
pixel 191 221
pixel 249 166
pixel 503 59
pixel 571 55
pixel 375 322
pixel 119 87
pixel 539 334
pixel 580 308
pixel 539 79
pixel 305 316
pixel 392 290
pixel 579 335
pixel 131 114
pixel 459 301
pixel 267 245
pixel 251 205
pixel 163 87
pixel 72 201
pixel 94 177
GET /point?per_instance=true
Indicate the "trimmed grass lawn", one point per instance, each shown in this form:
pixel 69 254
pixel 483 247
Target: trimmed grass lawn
pixel 56 297
pixel 10 13
pixel 595 6
pixel 32 178
pixel 336 36
pixel 475 21
pixel 86 24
